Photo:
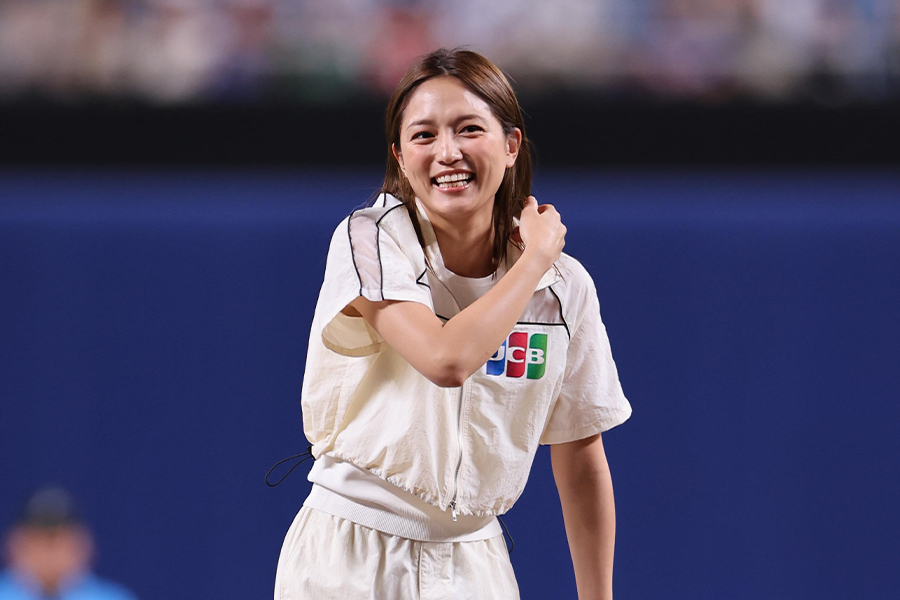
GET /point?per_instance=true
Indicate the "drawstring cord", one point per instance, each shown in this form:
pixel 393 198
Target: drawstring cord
pixel 512 544
pixel 306 455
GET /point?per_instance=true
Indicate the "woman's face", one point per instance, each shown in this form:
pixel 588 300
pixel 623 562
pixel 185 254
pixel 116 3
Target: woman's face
pixel 453 151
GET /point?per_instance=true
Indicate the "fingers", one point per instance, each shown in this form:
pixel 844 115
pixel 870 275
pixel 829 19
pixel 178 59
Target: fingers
pixel 541 229
pixel 547 212
pixel 530 204
pixel 542 208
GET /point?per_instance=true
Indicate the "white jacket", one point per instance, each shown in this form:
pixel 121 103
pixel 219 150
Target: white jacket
pixel 468 448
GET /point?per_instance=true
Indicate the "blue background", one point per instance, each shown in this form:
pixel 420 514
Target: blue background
pixel 153 328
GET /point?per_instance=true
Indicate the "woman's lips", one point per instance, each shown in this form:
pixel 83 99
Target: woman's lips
pixel 453 181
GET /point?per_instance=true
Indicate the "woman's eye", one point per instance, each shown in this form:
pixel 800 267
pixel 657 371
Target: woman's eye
pixel 471 129
pixel 421 135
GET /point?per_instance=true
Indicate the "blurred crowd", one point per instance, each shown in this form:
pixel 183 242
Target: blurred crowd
pixel 180 51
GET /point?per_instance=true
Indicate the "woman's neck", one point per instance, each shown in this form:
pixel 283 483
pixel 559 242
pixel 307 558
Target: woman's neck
pixel 467 251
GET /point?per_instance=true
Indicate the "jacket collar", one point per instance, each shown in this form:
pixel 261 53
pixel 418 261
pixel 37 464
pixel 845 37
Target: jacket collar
pixel 433 252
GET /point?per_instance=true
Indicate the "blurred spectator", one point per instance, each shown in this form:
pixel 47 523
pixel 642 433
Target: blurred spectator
pixel 181 51
pixel 49 551
pixel 179 47
pixel 403 35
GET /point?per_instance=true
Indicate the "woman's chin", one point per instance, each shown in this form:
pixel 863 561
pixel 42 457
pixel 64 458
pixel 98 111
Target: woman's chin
pixel 458 208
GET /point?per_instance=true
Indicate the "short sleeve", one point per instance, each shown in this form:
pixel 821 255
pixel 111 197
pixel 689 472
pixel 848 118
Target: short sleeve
pixel 591 399
pixel 374 253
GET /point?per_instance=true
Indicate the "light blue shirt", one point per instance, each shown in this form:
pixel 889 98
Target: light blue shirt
pixel 87 587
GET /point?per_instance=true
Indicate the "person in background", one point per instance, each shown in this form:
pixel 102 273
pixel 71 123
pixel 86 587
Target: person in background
pixel 49 550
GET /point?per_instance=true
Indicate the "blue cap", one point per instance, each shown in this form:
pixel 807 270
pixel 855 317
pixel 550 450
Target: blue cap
pixel 49 507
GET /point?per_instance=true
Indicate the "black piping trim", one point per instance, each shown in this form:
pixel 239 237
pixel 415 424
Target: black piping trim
pixel 561 316
pixel 380 266
pixel 352 254
pixel 548 324
pixel 518 322
pixel 378 222
pixel 419 279
pixel 377 248
pixel 445 319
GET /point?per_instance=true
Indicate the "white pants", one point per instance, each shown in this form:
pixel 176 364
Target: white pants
pixel 328 558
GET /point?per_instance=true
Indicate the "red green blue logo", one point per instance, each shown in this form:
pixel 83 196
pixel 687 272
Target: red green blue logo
pixel 520 355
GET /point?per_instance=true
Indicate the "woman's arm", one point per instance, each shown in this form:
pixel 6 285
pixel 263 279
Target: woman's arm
pixel 586 494
pixel 447 353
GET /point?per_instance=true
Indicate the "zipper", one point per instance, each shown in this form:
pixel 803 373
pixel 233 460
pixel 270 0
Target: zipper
pixel 459 406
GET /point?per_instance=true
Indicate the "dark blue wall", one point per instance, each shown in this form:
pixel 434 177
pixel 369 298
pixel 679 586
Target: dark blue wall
pixel 153 330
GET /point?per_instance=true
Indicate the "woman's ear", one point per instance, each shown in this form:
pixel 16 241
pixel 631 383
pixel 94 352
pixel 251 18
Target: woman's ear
pixel 513 143
pixel 399 156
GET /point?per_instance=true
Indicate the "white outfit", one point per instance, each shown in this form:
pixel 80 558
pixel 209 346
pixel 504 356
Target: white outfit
pixel 464 451
pixel 344 490
pixel 328 558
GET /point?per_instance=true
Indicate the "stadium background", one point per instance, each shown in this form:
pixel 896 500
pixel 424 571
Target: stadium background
pixel 171 174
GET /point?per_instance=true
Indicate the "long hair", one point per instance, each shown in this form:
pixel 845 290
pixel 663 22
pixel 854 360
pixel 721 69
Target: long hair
pixel 483 78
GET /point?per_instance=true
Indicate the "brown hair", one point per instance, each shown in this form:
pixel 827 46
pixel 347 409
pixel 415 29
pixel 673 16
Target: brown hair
pixel 484 78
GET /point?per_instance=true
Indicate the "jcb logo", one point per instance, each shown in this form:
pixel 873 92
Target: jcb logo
pixel 519 352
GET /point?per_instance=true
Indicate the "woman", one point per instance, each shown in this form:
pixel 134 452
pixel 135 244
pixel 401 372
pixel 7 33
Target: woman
pixel 450 338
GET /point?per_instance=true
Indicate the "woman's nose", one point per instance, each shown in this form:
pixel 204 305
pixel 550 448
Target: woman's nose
pixel 448 149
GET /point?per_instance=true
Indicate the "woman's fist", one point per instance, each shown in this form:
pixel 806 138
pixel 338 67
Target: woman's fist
pixel 542 231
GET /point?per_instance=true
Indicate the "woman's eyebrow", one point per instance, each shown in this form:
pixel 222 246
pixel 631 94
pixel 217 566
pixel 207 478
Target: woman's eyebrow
pixel 469 117
pixel 459 119
pixel 420 122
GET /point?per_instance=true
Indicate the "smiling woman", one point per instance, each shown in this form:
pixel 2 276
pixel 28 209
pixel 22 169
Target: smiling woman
pixel 480 91
pixel 417 452
pixel 454 153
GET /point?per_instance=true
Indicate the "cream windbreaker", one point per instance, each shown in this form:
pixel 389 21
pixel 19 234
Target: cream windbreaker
pixel 470 448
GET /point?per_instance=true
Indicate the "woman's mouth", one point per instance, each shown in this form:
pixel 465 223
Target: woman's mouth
pixel 452 182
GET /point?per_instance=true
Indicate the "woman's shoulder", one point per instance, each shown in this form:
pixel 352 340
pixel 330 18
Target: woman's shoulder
pixel 385 215
pixel 574 275
pixel 377 239
pixel 575 288
pixel 384 211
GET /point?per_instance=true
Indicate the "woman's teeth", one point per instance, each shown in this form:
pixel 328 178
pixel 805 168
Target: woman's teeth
pixel 454 180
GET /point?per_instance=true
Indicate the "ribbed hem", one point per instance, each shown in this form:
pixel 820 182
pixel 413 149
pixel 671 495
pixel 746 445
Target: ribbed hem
pixel 412 527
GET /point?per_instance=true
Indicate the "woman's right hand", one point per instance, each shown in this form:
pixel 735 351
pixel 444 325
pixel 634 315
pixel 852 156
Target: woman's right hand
pixel 542 232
